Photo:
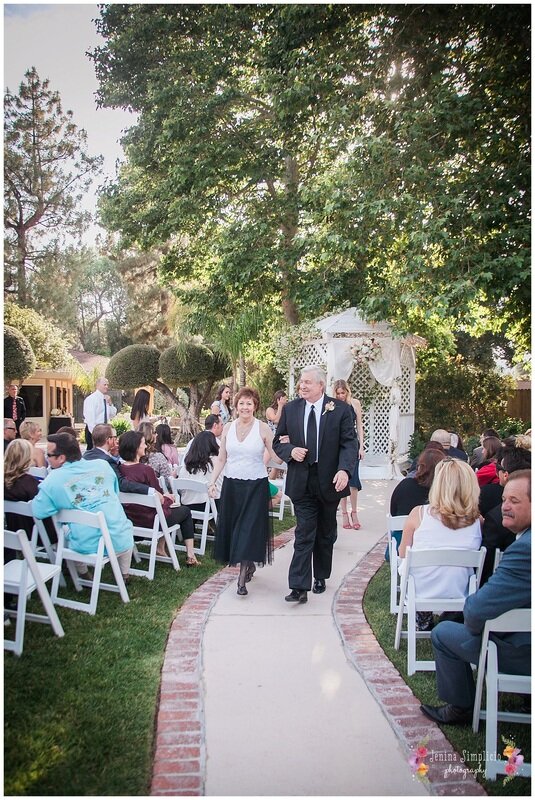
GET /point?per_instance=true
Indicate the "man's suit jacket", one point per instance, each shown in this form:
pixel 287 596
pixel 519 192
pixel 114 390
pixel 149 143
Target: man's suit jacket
pixel 124 484
pixel 21 409
pixel 508 588
pixel 337 447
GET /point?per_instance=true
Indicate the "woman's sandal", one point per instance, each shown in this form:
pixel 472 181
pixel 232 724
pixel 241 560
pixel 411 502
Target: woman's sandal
pixel 345 521
pixel 242 590
pixel 356 525
pixel 191 561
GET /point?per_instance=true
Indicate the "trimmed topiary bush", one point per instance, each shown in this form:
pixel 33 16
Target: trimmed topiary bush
pixel 181 365
pixel 133 366
pixel 19 358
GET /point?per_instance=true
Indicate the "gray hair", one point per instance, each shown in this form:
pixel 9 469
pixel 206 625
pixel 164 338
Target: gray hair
pixel 320 375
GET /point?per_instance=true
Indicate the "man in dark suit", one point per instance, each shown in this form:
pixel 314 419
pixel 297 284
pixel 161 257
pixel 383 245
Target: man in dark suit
pixel 319 444
pixel 456 645
pixel 104 437
pixel 14 407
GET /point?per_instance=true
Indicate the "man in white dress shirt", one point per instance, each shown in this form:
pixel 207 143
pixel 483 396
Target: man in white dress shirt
pixel 98 409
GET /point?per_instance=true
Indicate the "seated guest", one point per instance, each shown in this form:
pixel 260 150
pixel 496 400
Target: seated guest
pixel 75 483
pixel 10 432
pixel 476 458
pixel 456 645
pixel 104 441
pixel 198 466
pixel 443 437
pixel 486 473
pixel 152 457
pixel 430 445
pixel 19 485
pixel 31 431
pixel 131 450
pixel 494 535
pixel 213 423
pixel 450 521
pixel 68 429
pixel 164 444
pixel 414 491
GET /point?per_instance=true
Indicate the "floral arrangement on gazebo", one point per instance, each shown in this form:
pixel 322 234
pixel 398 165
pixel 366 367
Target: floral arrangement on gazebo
pixel 366 350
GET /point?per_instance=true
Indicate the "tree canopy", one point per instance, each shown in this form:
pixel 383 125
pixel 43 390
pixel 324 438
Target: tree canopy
pixel 19 358
pixel 47 341
pixel 46 170
pixel 302 157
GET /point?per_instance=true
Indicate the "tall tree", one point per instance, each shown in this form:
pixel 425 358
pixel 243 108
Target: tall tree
pixel 46 170
pixel 316 155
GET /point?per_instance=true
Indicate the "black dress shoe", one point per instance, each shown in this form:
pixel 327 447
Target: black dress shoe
pixel 319 586
pixel 296 596
pixel 448 714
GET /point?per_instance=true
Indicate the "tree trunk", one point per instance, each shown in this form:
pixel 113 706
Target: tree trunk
pixel 22 291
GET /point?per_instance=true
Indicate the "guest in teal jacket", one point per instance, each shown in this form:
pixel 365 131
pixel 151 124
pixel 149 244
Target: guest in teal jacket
pixel 74 483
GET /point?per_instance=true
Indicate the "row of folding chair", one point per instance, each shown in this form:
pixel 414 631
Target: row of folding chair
pixel 203 516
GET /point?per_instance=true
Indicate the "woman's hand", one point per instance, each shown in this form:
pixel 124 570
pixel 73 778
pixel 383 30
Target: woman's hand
pixel 212 491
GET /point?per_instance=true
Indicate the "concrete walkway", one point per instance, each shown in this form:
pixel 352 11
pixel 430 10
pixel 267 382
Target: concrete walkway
pixel 260 697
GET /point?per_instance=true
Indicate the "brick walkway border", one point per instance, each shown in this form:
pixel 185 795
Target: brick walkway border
pixel 179 765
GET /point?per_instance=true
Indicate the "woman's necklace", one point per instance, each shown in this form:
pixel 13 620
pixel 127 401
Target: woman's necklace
pixel 242 430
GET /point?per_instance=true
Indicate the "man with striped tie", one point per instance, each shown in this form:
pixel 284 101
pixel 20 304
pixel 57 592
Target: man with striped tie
pixel 98 409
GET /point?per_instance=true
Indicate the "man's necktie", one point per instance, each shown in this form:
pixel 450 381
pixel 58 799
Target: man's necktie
pixel 105 411
pixel 15 415
pixel 312 434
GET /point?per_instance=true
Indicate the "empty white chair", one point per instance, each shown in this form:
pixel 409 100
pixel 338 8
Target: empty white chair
pixel 21 577
pixel 396 523
pixel 105 555
pixel 152 535
pixel 40 541
pixel 280 483
pixel 410 603
pixel 517 620
pixel 205 516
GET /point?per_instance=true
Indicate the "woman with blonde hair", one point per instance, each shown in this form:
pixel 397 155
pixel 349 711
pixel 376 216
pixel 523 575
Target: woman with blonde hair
pixel 342 392
pixel 31 431
pixel 449 521
pixel 19 485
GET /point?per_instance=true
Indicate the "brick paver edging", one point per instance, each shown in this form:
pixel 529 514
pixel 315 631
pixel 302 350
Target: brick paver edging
pixel 179 765
pixel 396 700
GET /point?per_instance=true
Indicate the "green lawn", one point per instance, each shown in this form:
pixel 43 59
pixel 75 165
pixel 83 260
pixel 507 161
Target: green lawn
pixel 79 711
pixel 376 607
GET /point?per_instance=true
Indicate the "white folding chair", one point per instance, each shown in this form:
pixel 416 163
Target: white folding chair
pixel 280 483
pixel 105 555
pixel 497 558
pixel 40 541
pixel 410 602
pixel 205 516
pixel 21 577
pixel 151 536
pixel 395 523
pixel 517 620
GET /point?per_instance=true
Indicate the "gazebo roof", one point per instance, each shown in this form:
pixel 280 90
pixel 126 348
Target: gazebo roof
pixel 349 321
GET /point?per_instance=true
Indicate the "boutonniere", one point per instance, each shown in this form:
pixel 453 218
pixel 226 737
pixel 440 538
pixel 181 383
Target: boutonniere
pixel 328 407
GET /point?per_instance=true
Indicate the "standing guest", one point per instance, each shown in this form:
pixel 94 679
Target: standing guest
pixel 274 411
pixel 75 483
pixel 221 404
pixel 450 520
pixel 342 392
pixel 31 431
pixel 244 527
pixel 14 406
pixel 132 450
pixel 456 646
pixel 487 473
pixel 10 432
pixel 140 409
pixel 164 444
pixel 321 454
pixel 98 409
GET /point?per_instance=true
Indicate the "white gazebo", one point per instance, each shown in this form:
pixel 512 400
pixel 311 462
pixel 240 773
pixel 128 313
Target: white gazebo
pixel 380 370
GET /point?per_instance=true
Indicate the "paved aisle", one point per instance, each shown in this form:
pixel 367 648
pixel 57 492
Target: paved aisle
pixel 285 712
